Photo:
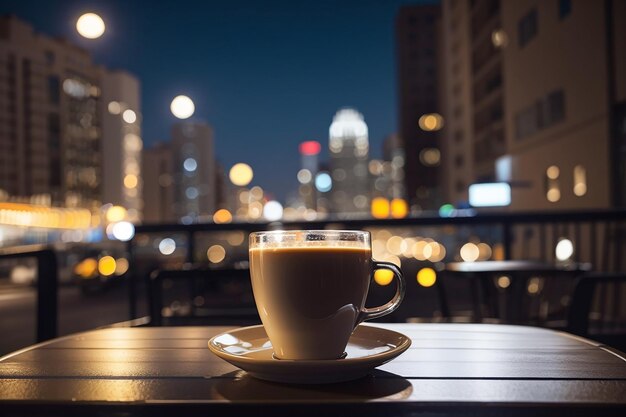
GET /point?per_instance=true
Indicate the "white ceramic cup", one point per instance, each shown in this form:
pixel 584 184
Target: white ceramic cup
pixel 310 288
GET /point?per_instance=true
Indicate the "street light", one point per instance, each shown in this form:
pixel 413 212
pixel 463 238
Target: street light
pixel 182 107
pixel 90 26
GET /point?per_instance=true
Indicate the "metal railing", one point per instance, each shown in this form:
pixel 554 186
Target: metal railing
pixel 597 235
pixel 47 286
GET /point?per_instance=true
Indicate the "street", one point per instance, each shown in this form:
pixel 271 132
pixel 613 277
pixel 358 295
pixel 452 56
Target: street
pixel 77 312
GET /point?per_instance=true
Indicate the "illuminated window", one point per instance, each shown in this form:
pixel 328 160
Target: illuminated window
pixel 580 180
pixel 553 192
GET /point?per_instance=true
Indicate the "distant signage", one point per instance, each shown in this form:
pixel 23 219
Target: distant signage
pixel 495 194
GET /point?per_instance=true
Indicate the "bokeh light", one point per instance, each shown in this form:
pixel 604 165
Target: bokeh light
pixel 167 246
pixel 430 122
pixel 273 211
pixel 182 107
pixel 116 214
pixel 470 252
pixel 222 216
pixel 216 254
pixel 426 277
pixel 380 208
pixel 86 268
pixel 129 116
pixel 106 266
pixel 241 174
pixel 90 26
pixel 564 249
pixel 383 277
pixel 123 231
pixel 323 182
pixel 304 176
pixel 130 181
pixel 503 282
pixel 190 165
pixel 399 208
pixel 121 266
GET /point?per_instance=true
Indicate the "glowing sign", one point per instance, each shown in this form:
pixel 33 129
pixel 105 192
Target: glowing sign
pixel 495 194
pixel 310 147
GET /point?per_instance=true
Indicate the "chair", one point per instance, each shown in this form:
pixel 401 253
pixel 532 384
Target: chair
pixel 596 310
pixel 210 297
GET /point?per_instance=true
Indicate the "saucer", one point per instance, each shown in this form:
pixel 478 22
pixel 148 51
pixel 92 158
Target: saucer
pixel 250 349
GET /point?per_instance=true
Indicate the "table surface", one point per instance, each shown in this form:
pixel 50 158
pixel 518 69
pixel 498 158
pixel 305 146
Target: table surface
pixel 515 266
pixel 451 369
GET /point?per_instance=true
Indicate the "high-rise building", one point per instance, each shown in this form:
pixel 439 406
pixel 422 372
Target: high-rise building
pixel 349 150
pixel 158 184
pixel 456 78
pixel 416 59
pixel 194 170
pixel 121 141
pixel 565 81
pixel 541 98
pixel 50 124
pixel 309 155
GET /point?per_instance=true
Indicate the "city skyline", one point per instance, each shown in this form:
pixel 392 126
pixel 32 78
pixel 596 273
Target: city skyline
pixel 343 57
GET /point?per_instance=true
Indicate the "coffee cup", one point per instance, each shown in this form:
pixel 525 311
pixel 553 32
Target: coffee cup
pixel 310 288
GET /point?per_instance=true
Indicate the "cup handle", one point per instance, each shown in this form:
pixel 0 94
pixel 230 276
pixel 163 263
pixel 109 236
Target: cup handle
pixel 376 312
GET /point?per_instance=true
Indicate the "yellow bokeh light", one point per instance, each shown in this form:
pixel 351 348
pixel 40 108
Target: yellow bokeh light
pixel 380 208
pixel 222 216
pixel 107 265
pixel 130 181
pixel 426 277
pixel 383 277
pixel 430 122
pixel 121 266
pixel 216 254
pixel 241 174
pixel 399 208
pixel 86 268
pixel 116 214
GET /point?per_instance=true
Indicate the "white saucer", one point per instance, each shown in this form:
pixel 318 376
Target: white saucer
pixel 250 349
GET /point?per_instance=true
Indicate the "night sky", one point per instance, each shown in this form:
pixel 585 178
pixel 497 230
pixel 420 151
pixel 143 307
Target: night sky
pixel 266 75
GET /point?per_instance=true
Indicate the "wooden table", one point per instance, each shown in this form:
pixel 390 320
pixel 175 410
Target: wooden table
pixel 518 271
pixel 450 369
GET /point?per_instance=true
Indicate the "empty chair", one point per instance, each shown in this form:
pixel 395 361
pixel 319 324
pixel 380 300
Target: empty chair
pixel 596 310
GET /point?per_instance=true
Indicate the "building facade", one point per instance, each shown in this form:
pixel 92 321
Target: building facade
pixel 194 170
pixel 158 184
pixel 563 89
pixel 416 59
pixel 349 155
pixel 50 123
pixel 121 142
pixel 540 92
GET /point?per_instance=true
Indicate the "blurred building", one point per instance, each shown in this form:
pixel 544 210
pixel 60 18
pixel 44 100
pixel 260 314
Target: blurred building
pixel 349 150
pixel 562 103
pixel 50 124
pixel 544 85
pixel 121 141
pixel 194 170
pixel 416 59
pixel 309 156
pixel 158 184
